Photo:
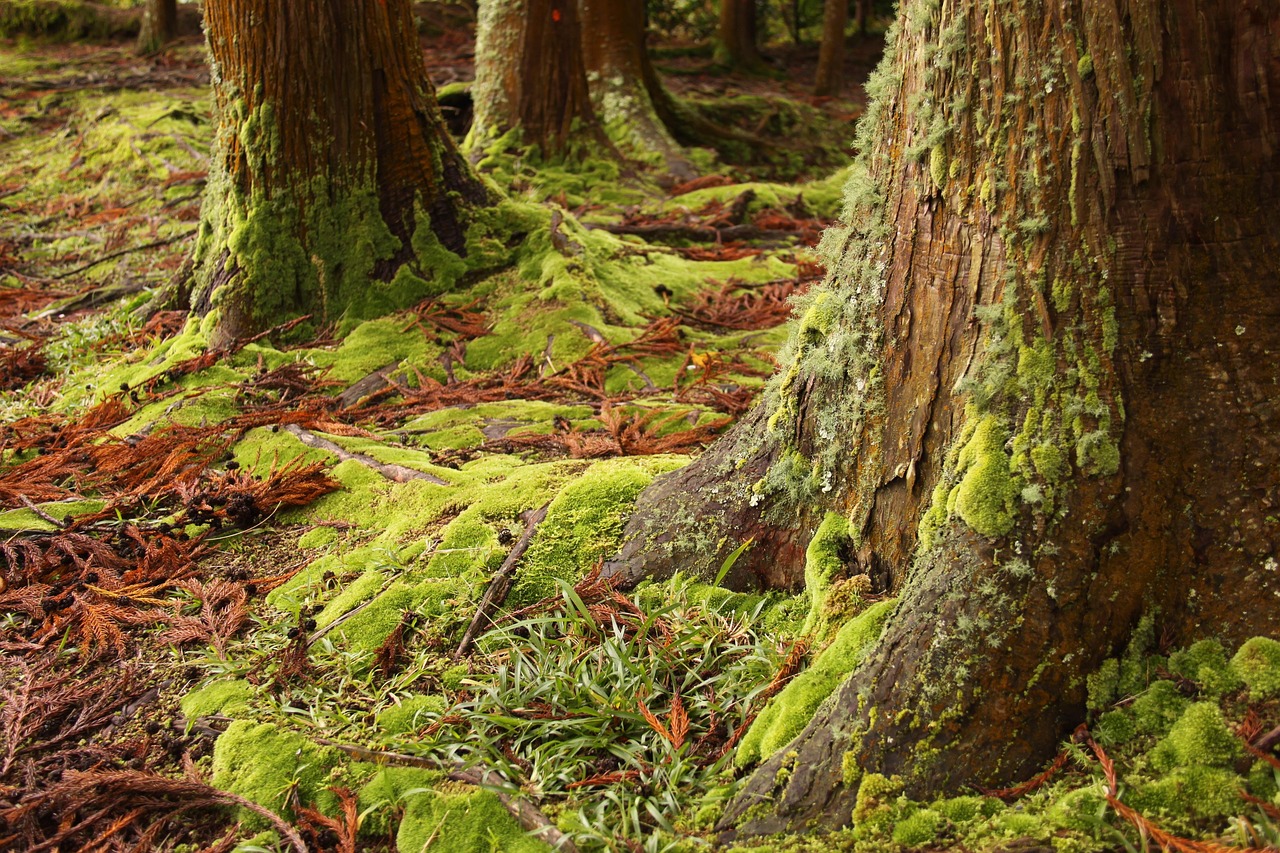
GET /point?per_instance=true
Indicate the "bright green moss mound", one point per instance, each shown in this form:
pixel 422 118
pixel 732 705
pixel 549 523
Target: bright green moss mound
pixel 1199 738
pixel 410 714
pixel 460 819
pixel 387 791
pixel 1257 664
pixel 263 762
pixel 229 698
pixel 1206 664
pixel 583 526
pixel 792 709
pixel 985 495
pixel 1204 793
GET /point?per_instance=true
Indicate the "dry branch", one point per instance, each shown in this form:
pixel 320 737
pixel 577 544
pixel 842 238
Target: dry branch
pixel 496 594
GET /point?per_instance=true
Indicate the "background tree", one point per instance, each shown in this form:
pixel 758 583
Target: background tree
pixel 334 188
pixel 159 25
pixel 1039 384
pixel 829 78
pixel 530 73
pixel 737 37
pixel 535 70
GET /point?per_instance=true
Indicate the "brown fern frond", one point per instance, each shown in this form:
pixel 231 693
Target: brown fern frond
pixel 678 719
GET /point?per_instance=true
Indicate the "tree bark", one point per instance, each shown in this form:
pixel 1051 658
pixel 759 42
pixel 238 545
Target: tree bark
pixel 547 66
pixel 629 97
pixel 334 187
pixel 1040 381
pixel 737 35
pixel 159 25
pixel 530 73
pixel 829 79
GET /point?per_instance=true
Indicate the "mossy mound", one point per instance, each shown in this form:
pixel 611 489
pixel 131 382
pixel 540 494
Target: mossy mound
pixel 268 764
pixel 790 711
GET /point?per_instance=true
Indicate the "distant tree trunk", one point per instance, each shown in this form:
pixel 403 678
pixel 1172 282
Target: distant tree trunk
pixel 829 79
pixel 861 13
pixel 159 25
pixel 737 34
pixel 549 66
pixel 1040 383
pixel 334 188
pixel 530 73
pixel 625 88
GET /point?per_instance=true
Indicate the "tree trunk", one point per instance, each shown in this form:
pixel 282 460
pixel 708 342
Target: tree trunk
pixel 636 108
pixel 536 70
pixel 159 25
pixel 737 33
pixel 530 73
pixel 334 188
pixel 861 14
pixel 829 79
pixel 1040 382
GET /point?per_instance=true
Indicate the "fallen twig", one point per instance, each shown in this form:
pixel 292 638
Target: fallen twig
pixel 393 472
pixel 532 819
pixel 501 583
pixel 155 244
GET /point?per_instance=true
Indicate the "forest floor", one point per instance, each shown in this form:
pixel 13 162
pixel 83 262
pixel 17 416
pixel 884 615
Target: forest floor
pixel 238 585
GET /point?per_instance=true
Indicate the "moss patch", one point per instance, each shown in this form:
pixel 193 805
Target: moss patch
pixel 792 709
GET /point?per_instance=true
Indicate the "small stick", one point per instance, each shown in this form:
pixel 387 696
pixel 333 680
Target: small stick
pixel 155 244
pixel 496 594
pixel 525 812
pixel 26 501
pixel 394 473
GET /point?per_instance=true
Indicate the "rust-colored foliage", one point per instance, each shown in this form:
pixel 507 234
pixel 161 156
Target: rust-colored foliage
pixel 19 365
pixel 328 833
pixel 117 810
pixel 739 306
pixel 1146 828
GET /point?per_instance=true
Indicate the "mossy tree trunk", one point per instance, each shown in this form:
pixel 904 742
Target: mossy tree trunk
pixel 159 25
pixel 1040 382
pixel 552 66
pixel 334 187
pixel 530 73
pixel 829 78
pixel 737 34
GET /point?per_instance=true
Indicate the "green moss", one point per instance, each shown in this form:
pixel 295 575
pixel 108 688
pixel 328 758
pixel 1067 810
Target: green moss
pixel 1102 685
pixel 388 791
pixel 1264 781
pixel 264 763
pixel 792 709
pixel 823 562
pixel 318 537
pixel 1206 664
pixel 963 809
pixel 985 495
pixel 365 631
pixel 1197 791
pixel 461 819
pixel 1199 738
pixel 1115 728
pixel 26 519
pixel 938 166
pixel 583 526
pixel 408 715
pixel 229 698
pixel 873 810
pixel 1257 664
pixel 919 828
pixel 1158 708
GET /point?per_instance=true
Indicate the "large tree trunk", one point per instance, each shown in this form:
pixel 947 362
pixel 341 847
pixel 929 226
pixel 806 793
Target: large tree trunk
pixel 829 78
pixel 549 66
pixel 159 25
pixel 737 35
pixel 530 74
pixel 1041 381
pixel 334 187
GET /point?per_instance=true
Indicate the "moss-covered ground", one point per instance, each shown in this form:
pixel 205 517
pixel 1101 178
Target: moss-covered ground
pixel 251 569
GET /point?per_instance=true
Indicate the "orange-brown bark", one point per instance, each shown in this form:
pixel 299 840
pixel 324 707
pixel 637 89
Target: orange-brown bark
pixel 1062 265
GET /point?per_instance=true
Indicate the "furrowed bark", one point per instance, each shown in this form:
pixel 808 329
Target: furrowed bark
pixel 1039 382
